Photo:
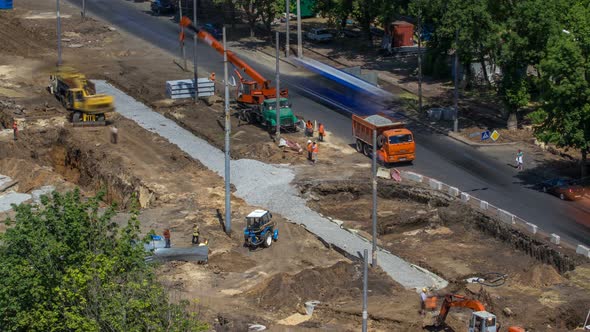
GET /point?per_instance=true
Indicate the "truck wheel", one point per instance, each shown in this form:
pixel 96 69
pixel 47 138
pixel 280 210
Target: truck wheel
pixel 76 117
pixel 268 240
pixel 367 150
pixel 359 145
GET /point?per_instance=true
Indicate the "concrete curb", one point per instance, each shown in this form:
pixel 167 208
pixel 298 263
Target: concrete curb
pixel 500 214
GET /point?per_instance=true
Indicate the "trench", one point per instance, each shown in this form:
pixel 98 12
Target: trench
pixel 449 211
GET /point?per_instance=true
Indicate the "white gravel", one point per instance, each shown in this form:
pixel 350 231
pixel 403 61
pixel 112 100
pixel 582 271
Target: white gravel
pixel 268 186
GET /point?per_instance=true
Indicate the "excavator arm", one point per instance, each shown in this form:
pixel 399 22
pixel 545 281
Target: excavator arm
pixel 453 300
pixel 231 56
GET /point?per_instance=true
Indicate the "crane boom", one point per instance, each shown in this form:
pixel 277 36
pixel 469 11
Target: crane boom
pixel 231 56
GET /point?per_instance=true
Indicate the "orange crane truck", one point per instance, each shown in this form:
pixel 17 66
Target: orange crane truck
pixel 257 97
pixel 395 143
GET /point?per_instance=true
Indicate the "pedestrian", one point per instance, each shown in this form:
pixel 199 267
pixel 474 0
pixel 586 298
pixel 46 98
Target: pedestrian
pixel 321 132
pixel 423 297
pixel 15 130
pixel 195 234
pixel 309 128
pixel 167 237
pixel 309 149
pixel 114 134
pixel 519 160
pixel 314 152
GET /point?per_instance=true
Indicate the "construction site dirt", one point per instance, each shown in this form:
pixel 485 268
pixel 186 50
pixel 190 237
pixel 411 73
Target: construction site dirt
pixel 237 286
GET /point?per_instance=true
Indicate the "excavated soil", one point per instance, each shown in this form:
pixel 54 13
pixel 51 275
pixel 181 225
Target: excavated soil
pixel 462 243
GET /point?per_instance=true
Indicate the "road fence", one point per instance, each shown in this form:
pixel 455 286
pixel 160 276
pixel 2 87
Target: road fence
pixel 495 212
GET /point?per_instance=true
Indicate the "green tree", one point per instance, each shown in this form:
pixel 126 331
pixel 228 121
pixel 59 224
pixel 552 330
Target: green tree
pixel 564 118
pixel 66 267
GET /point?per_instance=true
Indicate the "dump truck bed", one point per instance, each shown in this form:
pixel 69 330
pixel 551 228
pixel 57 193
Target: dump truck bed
pixel 363 126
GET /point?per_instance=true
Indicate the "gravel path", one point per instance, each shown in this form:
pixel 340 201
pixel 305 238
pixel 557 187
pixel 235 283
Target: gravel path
pixel 267 186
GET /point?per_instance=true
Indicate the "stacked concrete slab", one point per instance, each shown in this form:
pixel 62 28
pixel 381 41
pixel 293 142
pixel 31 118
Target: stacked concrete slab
pixel 180 89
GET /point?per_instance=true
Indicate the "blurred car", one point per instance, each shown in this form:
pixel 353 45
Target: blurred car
pixel 214 31
pixel 564 188
pixel 319 35
pixel 351 32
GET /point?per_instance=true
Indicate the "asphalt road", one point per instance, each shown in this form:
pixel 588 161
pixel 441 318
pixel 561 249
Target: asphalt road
pixel 438 156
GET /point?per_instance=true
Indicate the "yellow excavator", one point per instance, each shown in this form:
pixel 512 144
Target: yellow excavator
pixel 78 95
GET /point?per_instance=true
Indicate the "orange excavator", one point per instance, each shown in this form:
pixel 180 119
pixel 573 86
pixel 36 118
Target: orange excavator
pixel 481 320
pixel 254 91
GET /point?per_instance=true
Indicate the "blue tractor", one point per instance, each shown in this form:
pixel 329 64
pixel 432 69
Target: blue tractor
pixel 260 229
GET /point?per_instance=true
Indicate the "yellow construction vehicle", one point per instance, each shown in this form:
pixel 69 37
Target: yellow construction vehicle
pixel 78 95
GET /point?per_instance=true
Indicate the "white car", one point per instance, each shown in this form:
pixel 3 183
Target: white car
pixel 319 35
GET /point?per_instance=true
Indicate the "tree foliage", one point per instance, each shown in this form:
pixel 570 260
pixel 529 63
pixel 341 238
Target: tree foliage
pixel 66 267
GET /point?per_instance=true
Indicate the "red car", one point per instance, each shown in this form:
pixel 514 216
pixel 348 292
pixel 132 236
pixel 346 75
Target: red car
pixel 564 189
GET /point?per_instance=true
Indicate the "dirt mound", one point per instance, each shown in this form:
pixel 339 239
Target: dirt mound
pixel 29 175
pixel 231 262
pixel 540 276
pixel 341 281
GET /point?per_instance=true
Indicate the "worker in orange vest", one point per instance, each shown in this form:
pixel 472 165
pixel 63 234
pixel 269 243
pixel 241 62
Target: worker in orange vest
pixel 314 152
pixel 321 132
pixel 309 128
pixel 15 130
pixel 167 237
pixel 309 150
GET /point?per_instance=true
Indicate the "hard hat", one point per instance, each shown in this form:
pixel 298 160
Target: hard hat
pixel 425 289
pixel 308 141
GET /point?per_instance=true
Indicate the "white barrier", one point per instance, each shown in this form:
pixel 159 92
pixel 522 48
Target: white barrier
pixel 532 228
pixel 506 216
pixel 483 205
pixel 434 184
pixel 412 176
pixel 454 191
pixel 582 250
pixel 465 197
pixel 555 239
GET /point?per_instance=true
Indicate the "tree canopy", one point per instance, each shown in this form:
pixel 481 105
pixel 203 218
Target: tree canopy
pixel 66 267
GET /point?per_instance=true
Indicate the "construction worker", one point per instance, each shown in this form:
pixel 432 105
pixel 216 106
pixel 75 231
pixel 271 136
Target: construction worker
pixel 15 130
pixel 321 132
pixel 309 128
pixel 167 237
pixel 196 234
pixel 314 152
pixel 114 134
pixel 309 149
pixel 423 297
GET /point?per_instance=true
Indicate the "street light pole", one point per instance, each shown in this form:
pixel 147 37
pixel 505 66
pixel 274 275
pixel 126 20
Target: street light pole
pixel 420 63
pixel 58 16
pixel 365 286
pixel 182 49
pixel 288 28
pixel 227 145
pixel 83 9
pixel 278 95
pixel 299 41
pixel 456 122
pixel 195 70
pixel 374 214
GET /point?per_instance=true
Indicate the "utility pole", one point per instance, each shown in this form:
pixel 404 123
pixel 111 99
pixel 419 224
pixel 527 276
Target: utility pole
pixel 58 35
pixel 420 62
pixel 278 94
pixel 365 272
pixel 195 70
pixel 288 29
pixel 374 214
pixel 299 47
pixel 83 9
pixel 227 146
pixel 456 122
pixel 182 49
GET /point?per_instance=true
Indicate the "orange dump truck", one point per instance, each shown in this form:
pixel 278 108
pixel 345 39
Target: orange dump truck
pixel 395 143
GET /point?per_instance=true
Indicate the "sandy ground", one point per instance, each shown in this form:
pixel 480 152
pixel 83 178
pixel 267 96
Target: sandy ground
pixel 239 287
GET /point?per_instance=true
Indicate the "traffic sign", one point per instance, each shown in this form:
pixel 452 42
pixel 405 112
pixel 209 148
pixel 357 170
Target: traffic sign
pixel 495 135
pixel 485 135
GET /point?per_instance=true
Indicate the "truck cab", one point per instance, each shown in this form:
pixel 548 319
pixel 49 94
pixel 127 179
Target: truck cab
pixel 396 145
pixel 269 114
